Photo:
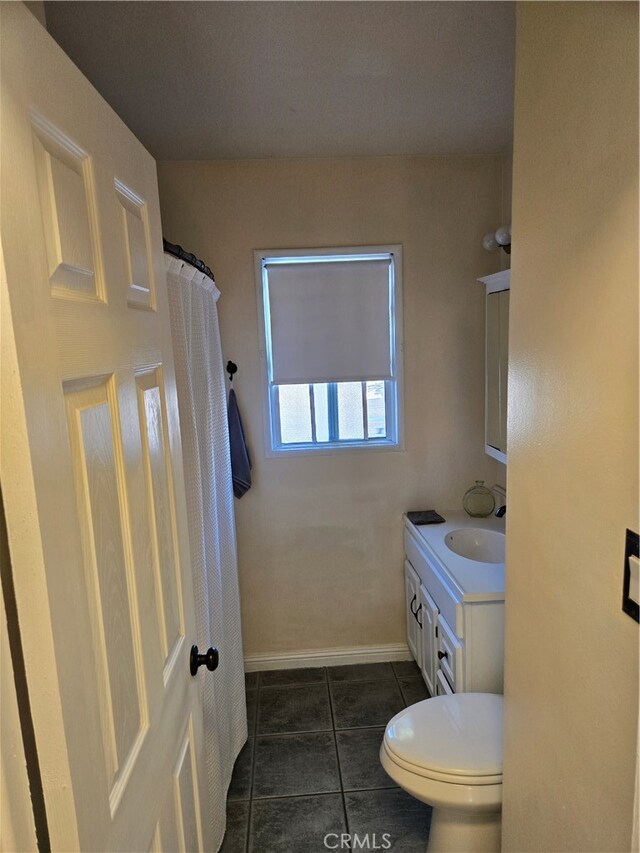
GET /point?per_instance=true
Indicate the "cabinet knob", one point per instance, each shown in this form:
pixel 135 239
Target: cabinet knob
pixel 442 655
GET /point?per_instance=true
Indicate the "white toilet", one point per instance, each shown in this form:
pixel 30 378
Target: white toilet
pixel 447 752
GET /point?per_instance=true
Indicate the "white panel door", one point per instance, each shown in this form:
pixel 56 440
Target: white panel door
pixel 17 826
pixel 91 464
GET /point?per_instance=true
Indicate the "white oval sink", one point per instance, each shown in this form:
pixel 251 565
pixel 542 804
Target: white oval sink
pixel 475 543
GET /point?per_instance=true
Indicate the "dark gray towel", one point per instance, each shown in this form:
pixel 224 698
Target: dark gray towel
pixel 425 516
pixel 240 459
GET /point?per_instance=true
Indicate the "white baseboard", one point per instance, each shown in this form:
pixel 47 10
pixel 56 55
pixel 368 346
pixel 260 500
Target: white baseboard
pixel 326 657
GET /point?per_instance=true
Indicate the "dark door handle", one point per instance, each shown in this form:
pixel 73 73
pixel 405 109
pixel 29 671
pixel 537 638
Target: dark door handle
pixel 442 655
pixel 210 659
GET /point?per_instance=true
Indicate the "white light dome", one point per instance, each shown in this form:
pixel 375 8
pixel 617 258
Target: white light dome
pixel 489 242
pixel 503 235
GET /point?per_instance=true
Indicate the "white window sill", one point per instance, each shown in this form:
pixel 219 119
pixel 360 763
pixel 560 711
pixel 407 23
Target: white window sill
pixel 327 449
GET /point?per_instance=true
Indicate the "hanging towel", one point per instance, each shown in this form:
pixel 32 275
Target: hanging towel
pixel 240 459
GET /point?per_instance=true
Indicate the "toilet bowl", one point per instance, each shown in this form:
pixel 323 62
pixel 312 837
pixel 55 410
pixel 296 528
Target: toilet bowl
pixel 447 752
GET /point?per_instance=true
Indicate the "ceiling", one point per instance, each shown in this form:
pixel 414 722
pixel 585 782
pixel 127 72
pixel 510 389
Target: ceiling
pixel 208 80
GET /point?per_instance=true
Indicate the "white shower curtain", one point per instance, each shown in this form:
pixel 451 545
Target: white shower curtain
pixel 207 470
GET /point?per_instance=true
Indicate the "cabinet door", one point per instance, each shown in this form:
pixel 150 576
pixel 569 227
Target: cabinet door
pixel 504 365
pixel 450 656
pixel 443 688
pixel 429 617
pixel 496 369
pixel 493 434
pixel 412 592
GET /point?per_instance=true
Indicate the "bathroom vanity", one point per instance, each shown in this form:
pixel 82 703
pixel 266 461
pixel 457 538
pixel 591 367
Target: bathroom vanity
pixel 455 603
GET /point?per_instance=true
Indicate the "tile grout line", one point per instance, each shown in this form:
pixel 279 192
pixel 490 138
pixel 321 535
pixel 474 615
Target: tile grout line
pixel 293 686
pixel 271 797
pixel 296 733
pixel 395 675
pixel 253 764
pixel 335 743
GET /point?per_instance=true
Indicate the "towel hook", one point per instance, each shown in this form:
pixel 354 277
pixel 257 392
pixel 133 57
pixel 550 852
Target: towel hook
pixel 231 369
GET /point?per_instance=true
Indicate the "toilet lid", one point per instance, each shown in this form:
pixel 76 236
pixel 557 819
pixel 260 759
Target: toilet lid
pixel 456 735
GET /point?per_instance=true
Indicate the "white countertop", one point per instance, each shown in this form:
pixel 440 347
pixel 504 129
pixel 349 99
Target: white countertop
pixel 473 580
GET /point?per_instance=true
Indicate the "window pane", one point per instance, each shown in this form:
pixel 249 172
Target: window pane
pixel 295 413
pixel 350 415
pixel 376 412
pixel 321 406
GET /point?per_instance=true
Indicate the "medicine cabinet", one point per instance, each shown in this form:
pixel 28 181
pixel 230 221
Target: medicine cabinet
pixel 496 363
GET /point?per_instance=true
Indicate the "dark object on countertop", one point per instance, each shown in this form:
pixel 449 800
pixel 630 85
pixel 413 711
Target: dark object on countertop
pixel 425 516
pixel 240 459
pixel 501 511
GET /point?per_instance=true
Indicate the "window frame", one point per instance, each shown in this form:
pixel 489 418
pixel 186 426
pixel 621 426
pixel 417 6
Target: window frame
pixel 394 399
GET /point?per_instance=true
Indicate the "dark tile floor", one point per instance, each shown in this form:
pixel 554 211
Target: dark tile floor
pixel 310 767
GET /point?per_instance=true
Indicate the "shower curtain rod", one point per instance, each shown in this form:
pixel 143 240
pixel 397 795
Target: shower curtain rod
pixel 187 257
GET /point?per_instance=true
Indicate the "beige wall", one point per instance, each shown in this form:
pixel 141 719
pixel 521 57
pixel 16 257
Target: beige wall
pixel 507 189
pixel 37 9
pixel 571 685
pixel 320 538
pixel 507 192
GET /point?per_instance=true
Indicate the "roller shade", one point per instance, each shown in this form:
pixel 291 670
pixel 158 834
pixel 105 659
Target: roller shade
pixel 330 321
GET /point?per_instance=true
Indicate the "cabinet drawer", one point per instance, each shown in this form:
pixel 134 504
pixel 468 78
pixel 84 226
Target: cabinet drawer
pixel 443 688
pixel 450 655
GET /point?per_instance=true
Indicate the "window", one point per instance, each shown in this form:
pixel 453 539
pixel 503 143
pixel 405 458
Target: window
pixel 331 347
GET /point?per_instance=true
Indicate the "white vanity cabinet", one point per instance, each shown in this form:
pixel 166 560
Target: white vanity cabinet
pixel 455 610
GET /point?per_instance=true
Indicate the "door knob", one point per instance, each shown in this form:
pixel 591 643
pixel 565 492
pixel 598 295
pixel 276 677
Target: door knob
pixel 209 659
pixel 442 655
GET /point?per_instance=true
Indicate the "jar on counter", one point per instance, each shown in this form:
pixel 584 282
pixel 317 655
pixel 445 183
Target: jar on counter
pixel 478 501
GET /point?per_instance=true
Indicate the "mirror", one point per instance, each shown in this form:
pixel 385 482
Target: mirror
pixel 496 364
